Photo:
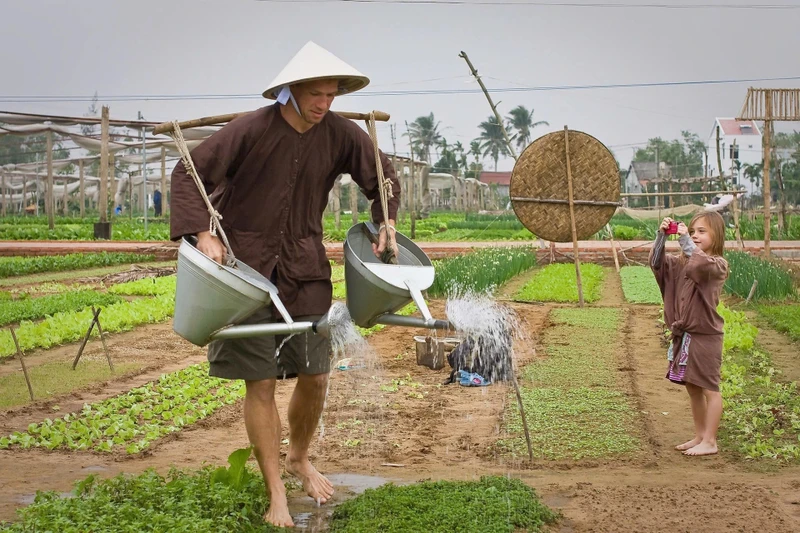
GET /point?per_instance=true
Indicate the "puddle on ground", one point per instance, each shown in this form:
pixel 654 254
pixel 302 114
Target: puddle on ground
pixel 94 468
pixel 312 518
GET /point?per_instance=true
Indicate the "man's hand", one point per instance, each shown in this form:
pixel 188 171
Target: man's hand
pixel 378 249
pixel 211 246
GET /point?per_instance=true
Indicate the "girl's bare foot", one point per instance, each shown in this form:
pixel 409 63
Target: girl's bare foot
pixel 704 448
pixel 278 513
pixel 689 444
pixel 315 484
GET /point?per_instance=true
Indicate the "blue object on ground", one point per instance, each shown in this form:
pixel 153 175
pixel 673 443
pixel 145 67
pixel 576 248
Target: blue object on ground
pixel 468 379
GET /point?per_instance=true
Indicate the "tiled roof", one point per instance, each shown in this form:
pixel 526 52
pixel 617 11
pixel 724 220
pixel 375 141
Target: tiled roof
pixel 500 178
pixel 731 126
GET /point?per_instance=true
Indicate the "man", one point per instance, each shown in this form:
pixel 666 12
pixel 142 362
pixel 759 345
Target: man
pixel 157 202
pixel 269 174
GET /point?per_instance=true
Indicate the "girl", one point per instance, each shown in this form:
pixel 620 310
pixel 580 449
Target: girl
pixel 690 286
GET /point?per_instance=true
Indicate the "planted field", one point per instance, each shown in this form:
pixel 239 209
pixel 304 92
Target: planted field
pixel 573 405
pixel 784 318
pixel 639 285
pixel 557 283
pixel 13 311
pixel 134 419
pixel 20 266
pixel 70 326
pixel 774 281
pixel 480 271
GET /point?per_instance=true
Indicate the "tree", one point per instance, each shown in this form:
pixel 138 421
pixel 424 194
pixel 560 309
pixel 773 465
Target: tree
pixel 424 135
pixel 684 156
pixel 522 121
pixel 492 141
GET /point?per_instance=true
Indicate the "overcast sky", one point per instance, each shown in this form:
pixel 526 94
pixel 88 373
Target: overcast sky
pixel 236 47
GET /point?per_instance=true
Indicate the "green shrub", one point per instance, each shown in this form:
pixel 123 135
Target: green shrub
pixel 626 233
pixel 35 308
pixel 480 271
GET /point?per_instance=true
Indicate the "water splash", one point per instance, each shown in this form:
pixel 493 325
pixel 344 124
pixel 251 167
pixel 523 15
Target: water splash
pixel 490 329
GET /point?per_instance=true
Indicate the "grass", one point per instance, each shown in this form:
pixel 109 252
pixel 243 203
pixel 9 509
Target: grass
pixel 639 285
pixel 774 281
pixel 784 318
pixel 572 406
pixel 557 283
pixel 51 379
pixel 73 274
pixel 491 505
pixel 36 308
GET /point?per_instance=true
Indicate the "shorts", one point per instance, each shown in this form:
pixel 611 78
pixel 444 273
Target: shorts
pixel 254 358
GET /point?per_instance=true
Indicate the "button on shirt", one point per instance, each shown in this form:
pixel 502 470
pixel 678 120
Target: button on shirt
pixel 271 184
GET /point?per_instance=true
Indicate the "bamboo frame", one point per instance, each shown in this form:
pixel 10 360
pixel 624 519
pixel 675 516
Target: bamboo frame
pixel 572 219
pixel 166 127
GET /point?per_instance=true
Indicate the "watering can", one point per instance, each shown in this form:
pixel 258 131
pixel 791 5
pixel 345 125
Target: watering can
pixel 211 298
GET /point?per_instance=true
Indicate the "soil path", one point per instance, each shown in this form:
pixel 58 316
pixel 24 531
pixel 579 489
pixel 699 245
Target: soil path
pixel 396 412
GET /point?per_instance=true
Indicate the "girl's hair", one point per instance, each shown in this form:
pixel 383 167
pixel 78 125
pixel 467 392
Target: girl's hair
pixel 716 225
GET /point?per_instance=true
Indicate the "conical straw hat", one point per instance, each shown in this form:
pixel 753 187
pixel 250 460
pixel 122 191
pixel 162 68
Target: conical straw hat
pixel 313 62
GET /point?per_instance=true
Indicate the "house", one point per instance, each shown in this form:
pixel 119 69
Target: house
pixel 501 179
pixel 641 173
pixel 739 144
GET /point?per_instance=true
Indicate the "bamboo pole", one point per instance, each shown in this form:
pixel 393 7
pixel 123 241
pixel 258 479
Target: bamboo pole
pixel 687 193
pixel 112 179
pixel 22 363
pixel 500 122
pixel 337 204
pixel 82 188
pixel 766 151
pixel 167 127
pixel 613 246
pixel 49 203
pixel 411 186
pixel 164 181
pixel 353 203
pixel 572 220
pixel 103 198
pixel 65 198
pixel 3 174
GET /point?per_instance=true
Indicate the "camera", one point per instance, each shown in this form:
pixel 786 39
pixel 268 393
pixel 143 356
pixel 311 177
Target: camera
pixel 672 229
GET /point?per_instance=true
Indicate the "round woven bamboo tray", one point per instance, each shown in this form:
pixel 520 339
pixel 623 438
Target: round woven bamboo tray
pixel 539 191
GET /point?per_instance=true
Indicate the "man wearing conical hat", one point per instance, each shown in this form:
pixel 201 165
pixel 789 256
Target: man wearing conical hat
pixel 269 173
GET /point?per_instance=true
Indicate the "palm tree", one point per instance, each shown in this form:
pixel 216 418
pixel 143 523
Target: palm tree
pixel 522 121
pixel 754 173
pixel 425 134
pixel 492 141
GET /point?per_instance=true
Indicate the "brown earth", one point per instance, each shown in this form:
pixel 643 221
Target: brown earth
pixel 426 430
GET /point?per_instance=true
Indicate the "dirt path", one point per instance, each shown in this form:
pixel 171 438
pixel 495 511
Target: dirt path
pixel 400 413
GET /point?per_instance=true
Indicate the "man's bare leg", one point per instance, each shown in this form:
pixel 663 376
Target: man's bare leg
pixel 305 408
pixel 264 431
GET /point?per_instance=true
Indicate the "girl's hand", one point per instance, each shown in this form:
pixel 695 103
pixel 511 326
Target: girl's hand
pixel 682 229
pixel 664 224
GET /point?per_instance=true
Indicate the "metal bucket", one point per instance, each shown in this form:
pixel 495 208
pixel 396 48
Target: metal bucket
pixel 210 296
pixel 375 288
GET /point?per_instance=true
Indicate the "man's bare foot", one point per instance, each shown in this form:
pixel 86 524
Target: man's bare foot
pixel 689 444
pixel 278 513
pixel 704 448
pixel 315 484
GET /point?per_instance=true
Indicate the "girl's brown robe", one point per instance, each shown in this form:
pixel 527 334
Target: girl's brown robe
pixel 691 289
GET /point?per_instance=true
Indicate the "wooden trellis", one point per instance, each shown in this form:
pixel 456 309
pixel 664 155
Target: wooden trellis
pixel 770 105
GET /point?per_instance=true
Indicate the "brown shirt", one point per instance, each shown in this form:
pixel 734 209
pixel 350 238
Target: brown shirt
pixel 271 184
pixel 691 291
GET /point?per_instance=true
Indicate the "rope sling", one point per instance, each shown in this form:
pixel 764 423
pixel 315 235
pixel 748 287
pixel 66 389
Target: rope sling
pixel 214 225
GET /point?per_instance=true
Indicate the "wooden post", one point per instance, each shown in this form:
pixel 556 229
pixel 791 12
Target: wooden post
pixel 102 337
pixel 752 291
pixel 522 412
pixel 49 202
pixel 24 204
pixel 337 203
pixel 82 187
pixel 3 174
pixel 65 197
pixel 572 220
pixel 767 152
pixel 613 246
pixel 103 198
pixel 782 224
pixel 22 363
pixel 164 181
pixel 411 186
pixel 112 180
pixel 354 202
pixel 85 339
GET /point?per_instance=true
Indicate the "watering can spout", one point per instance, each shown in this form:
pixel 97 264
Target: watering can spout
pixel 322 326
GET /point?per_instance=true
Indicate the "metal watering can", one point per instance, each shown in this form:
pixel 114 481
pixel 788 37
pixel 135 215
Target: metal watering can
pixel 210 298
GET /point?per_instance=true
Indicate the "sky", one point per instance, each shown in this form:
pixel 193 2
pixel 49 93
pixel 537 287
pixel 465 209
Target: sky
pixel 146 48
